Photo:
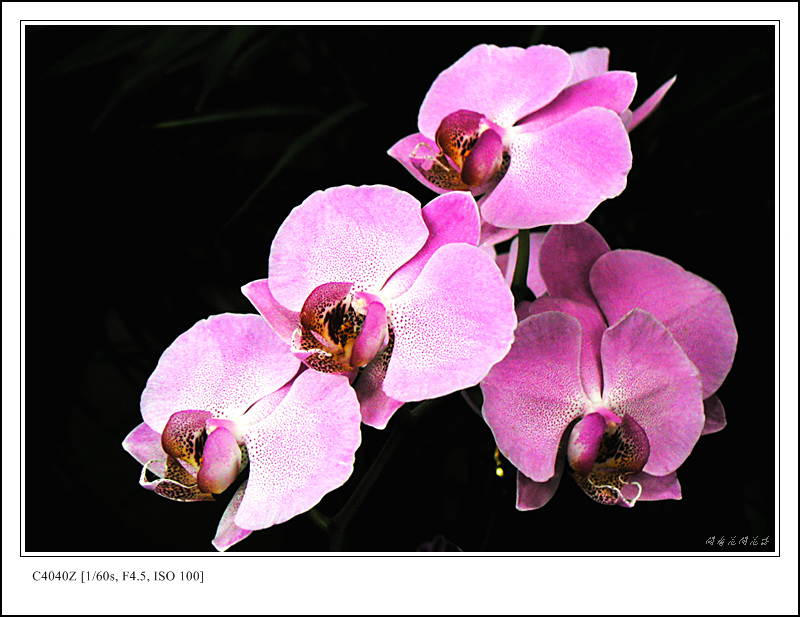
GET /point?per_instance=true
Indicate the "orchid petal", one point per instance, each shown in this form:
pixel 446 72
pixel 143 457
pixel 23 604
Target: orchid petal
pixel 646 108
pixel 283 321
pixel 715 415
pixel 588 63
pixel 613 90
pixel 532 395
pixel 566 259
pixel 228 533
pixel 654 488
pixel 144 444
pixel 647 375
pixel 509 264
pixel 592 328
pixel 533 495
pixel 359 235
pixel 695 311
pixel 264 406
pixel 561 174
pixel 452 217
pixel 495 235
pixel 301 451
pixel 504 84
pixel 221 365
pixel 451 326
pixel 376 407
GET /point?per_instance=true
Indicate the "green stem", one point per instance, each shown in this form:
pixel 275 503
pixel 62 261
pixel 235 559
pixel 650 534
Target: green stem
pixel 402 424
pixel 319 519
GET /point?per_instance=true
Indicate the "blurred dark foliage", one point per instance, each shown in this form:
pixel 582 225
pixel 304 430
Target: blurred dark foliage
pixel 161 160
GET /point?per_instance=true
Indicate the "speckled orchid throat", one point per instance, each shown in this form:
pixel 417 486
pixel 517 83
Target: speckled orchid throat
pixel 341 330
pixel 603 450
pixel 472 154
pixel 204 457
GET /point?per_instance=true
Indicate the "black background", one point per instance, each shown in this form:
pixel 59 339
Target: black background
pixel 136 229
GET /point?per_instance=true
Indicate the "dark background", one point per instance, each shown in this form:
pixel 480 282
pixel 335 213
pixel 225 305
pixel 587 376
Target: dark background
pixel 161 160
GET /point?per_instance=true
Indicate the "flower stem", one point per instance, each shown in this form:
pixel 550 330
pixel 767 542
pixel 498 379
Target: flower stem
pixel 319 519
pixel 403 422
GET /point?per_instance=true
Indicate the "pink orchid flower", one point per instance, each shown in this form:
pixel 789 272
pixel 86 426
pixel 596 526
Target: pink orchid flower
pixel 364 283
pixel 227 395
pixel 540 133
pixel 631 346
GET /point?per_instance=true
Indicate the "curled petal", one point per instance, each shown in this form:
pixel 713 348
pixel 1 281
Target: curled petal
pixel 561 174
pixel 694 311
pixel 356 234
pixel 301 451
pixel 532 395
pixel 504 84
pixel 222 365
pixel 451 326
pixel 646 374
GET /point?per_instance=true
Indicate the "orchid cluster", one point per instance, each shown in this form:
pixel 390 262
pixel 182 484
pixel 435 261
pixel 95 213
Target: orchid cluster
pixel 373 301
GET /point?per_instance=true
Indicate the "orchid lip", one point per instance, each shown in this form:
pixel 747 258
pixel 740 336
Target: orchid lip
pixel 472 154
pixel 341 330
pixel 204 456
pixel 603 450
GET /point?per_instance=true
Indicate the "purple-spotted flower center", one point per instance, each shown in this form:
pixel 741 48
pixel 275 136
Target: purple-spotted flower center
pixel 204 456
pixel 341 330
pixel 603 450
pixel 471 154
